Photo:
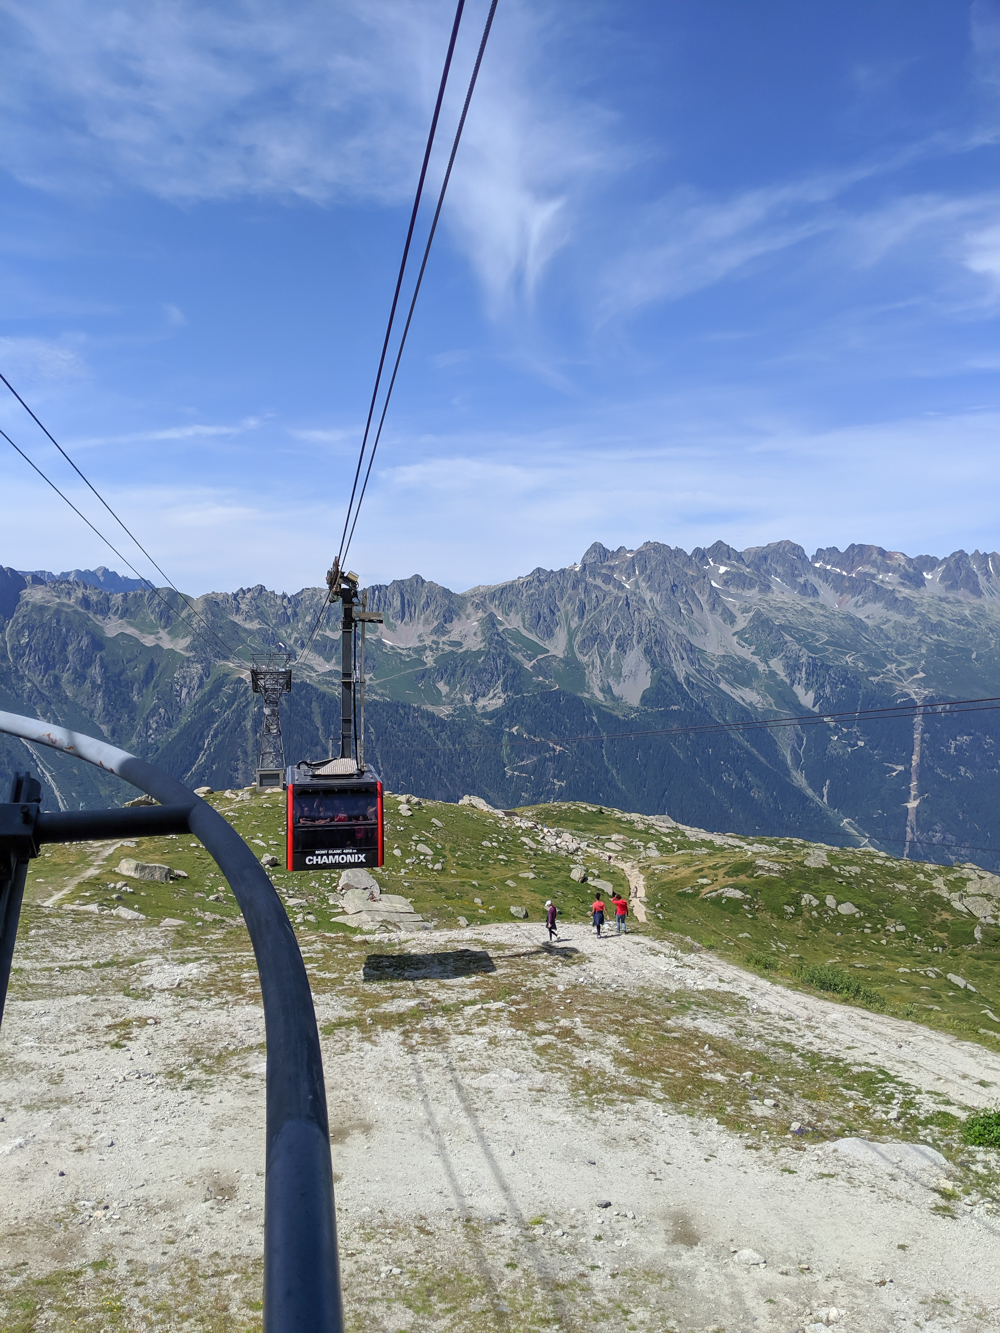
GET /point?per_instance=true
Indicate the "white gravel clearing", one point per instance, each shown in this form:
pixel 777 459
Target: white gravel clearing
pixel 462 1155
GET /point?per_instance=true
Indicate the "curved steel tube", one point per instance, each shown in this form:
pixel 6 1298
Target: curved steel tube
pixel 301 1273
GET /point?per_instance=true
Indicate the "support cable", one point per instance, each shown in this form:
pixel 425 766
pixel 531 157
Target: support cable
pixel 423 266
pixel 890 713
pixel 42 427
pixel 123 558
pixel 402 263
pixel 351 518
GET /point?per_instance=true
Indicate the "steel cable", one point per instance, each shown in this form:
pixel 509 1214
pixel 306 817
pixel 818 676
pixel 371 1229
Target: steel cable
pixel 42 427
pixel 124 559
pixel 402 263
pixel 423 266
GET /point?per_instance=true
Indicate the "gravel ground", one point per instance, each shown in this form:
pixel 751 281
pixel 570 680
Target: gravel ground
pixel 479 1121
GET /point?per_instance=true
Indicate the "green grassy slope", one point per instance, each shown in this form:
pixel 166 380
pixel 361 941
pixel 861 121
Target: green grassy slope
pixel 772 905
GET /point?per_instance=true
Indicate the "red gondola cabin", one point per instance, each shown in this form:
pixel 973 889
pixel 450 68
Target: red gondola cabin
pixel 334 819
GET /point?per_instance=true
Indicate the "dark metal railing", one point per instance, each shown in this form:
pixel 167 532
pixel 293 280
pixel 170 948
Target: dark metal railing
pixel 302 1291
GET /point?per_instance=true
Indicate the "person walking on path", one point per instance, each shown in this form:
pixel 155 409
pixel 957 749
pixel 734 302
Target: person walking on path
pixel 621 913
pixel 551 912
pixel 597 912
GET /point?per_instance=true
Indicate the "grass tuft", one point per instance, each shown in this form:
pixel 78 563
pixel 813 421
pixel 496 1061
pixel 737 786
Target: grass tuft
pixel 763 962
pixel 825 977
pixel 982 1129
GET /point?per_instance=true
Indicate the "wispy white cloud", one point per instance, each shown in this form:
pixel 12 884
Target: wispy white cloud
pixel 328 436
pixel 40 360
pixel 192 431
pixel 982 254
pixel 530 156
pixel 486 508
pixel 325 102
pixel 689 241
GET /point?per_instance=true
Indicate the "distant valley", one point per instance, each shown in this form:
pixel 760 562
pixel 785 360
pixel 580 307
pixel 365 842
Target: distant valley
pixel 485 691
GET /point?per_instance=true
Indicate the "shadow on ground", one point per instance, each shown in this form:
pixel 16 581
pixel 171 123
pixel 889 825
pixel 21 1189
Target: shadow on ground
pixel 427 966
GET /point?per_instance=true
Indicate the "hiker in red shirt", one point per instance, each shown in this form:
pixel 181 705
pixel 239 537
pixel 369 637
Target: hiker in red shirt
pixel 597 912
pixel 621 912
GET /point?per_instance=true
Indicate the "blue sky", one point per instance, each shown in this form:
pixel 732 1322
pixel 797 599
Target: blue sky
pixel 707 269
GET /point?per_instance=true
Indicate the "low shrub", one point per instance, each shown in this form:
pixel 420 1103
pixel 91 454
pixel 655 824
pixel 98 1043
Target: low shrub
pixel 982 1129
pixel 825 977
pixel 764 962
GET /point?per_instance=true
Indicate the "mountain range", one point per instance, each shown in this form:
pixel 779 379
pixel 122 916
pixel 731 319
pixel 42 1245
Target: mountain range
pixel 560 684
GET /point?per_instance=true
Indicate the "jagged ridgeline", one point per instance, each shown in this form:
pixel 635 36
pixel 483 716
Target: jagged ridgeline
pixel 462 685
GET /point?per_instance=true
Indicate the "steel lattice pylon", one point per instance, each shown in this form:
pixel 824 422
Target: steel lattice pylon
pixel 271 677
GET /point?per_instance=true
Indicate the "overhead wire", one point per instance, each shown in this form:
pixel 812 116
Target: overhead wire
pixel 229 651
pixel 890 712
pixel 353 509
pixel 423 265
pixel 402 263
pixel 111 547
pixel 870 837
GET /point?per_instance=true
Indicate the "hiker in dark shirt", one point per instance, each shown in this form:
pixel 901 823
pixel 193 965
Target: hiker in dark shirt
pixel 597 913
pixel 551 912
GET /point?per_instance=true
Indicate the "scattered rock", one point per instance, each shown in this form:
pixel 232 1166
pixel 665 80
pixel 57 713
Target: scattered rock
pixel 831 900
pixel 727 892
pixel 462 922
pixel 909 1156
pixel 604 885
pixel 171 921
pixel 144 870
pixel 961 983
pixel 359 879
pixel 405 811
pixel 604 1203
pixel 817 860
pixel 423 849
pixel 144 799
pixel 981 907
pixel 527 874
pixel 437 823
pixel 269 861
pixel 479 804
pixel 578 873
pixel 749 1258
pixel 809 901
pixel 174 874
pixel 769 868
pixel 521 912
pixel 203 791
pixel 127 914
pixel 847 909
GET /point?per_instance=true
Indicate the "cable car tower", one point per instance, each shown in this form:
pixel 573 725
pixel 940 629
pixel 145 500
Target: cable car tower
pixel 271 677
pixel 334 816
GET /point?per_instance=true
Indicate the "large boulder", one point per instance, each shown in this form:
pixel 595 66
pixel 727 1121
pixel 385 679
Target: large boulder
pixel 578 873
pixel 360 879
pixel 144 870
pixel 479 804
